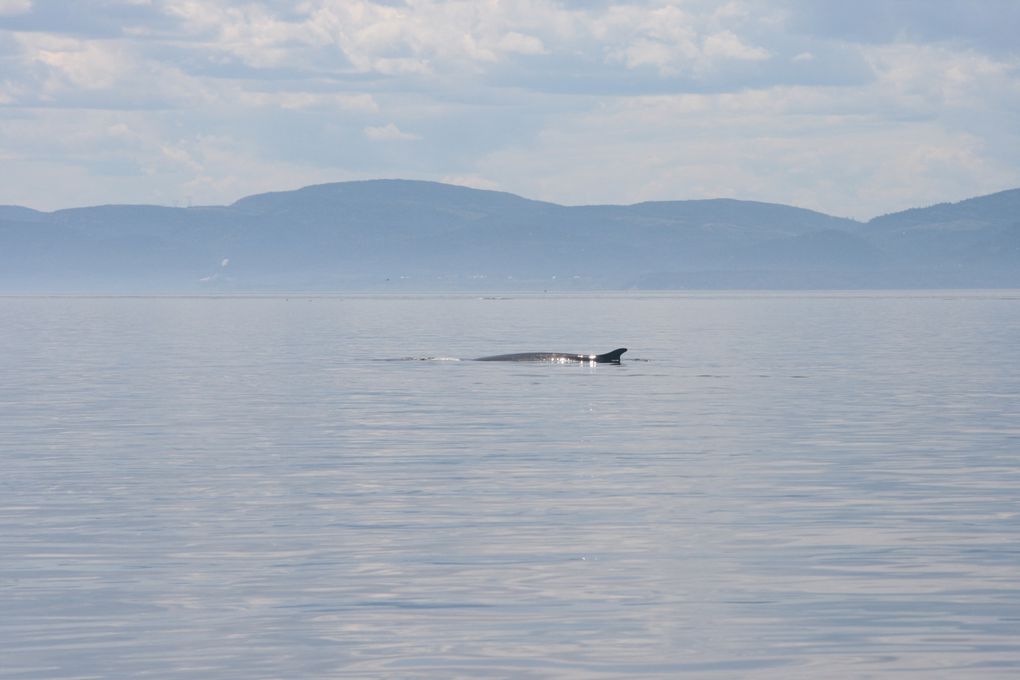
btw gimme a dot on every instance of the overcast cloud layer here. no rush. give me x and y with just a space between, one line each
853 108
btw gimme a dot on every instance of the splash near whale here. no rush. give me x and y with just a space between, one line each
607 358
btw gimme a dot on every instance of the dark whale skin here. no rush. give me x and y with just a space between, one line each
607 358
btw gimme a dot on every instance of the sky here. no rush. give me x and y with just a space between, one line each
855 109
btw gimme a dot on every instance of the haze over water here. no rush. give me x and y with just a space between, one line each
769 486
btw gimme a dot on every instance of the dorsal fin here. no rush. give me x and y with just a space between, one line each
610 357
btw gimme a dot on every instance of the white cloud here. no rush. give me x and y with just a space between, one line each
791 145
388 132
944 77
296 100
677 41
780 100
64 71
12 7
77 64
727 45
521 44
431 37
664 38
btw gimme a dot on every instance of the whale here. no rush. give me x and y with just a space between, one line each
563 357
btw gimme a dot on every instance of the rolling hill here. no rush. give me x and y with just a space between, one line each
403 235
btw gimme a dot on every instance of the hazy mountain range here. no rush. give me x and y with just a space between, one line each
403 235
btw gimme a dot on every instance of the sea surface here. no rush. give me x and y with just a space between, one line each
770 485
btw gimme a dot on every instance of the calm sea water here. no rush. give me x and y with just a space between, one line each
769 486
